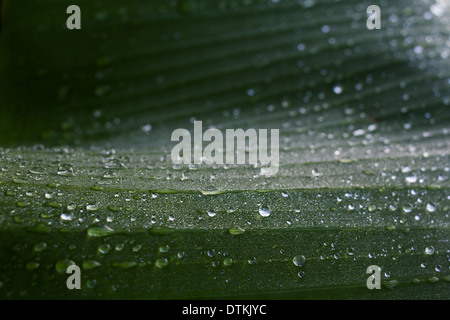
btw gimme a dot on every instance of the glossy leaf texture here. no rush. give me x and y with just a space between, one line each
86 174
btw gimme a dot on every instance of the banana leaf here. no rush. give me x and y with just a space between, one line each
86 176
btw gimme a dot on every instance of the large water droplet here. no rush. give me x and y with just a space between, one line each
100 231
228 262
161 263
90 264
264 211
211 213
62 265
299 260
431 207
429 250
65 170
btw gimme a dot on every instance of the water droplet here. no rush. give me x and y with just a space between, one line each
38 171
41 246
406 169
91 283
54 204
161 263
391 284
264 211
411 179
315 172
431 207
228 262
299 260
103 248
337 89
137 248
124 264
407 208
236 231
359 133
429 250
22 204
90 264
301 47
325 29
164 248
20 181
392 207
32 266
65 170
146 128
100 231
62 265
115 208
66 217
211 213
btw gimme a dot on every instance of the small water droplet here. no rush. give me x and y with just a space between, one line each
91 283
164 248
38 171
337 89
66 217
236 231
211 213
124 264
32 265
100 231
407 208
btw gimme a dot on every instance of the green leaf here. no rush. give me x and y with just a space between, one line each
86 176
